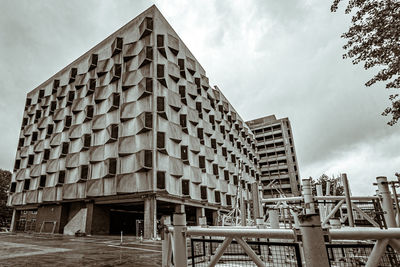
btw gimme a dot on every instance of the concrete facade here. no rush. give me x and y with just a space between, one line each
278 161
127 131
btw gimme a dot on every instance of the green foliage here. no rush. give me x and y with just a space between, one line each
374 39
336 189
5 212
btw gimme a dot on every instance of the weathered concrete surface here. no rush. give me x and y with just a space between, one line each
46 250
77 223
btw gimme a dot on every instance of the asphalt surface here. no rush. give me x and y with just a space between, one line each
51 250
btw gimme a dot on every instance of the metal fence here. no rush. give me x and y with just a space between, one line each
272 253
26 225
350 255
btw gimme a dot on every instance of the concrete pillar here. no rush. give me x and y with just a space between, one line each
242 207
150 217
348 199
14 220
215 217
256 200
387 201
201 219
89 218
315 254
308 196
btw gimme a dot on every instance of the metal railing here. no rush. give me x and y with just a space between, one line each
244 246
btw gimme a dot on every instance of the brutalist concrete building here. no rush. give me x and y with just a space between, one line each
277 154
124 133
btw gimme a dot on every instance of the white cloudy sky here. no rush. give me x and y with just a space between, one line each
268 57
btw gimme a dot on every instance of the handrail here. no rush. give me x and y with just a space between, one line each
274 200
261 233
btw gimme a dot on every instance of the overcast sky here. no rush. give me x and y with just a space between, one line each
268 57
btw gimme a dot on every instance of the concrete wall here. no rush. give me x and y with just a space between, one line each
51 213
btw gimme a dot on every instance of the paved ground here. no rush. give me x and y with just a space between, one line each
46 250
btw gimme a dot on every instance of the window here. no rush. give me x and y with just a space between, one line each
13 187
17 164
84 172
148 120
42 182
86 142
184 154
203 192
112 166
228 200
50 129
185 187
226 175
61 177
30 159
202 162
27 184
217 196
160 180
46 154
215 169
65 149
114 131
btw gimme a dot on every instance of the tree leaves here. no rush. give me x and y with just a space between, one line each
5 212
374 40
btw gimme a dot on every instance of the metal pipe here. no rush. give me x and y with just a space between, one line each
348 200
180 247
335 209
315 253
220 251
250 252
308 196
274 200
364 233
396 202
261 233
387 202
344 197
376 253
273 218
298 199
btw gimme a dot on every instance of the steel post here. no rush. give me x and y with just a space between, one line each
315 254
180 247
166 242
348 200
396 202
273 218
308 196
377 252
387 201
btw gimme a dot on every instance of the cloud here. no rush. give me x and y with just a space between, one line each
268 57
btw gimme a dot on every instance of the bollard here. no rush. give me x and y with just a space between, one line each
387 201
308 196
180 248
121 239
314 248
348 199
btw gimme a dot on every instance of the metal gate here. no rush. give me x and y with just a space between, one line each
357 255
273 253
